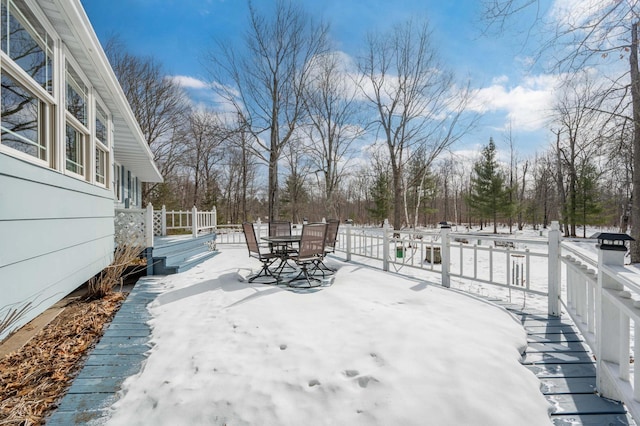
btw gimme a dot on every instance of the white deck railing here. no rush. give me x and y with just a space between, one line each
603 298
139 226
194 221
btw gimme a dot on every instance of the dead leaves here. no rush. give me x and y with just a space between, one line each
34 378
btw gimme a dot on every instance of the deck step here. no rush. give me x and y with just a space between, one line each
175 255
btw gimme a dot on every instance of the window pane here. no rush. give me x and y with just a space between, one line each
76 96
117 182
75 150
101 166
26 42
101 129
20 117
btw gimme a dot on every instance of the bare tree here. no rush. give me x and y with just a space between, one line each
333 112
577 139
595 34
264 81
157 102
204 138
414 100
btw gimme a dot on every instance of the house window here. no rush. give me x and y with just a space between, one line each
76 96
101 166
26 42
117 182
102 144
76 135
75 149
23 117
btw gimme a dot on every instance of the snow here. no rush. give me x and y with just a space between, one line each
374 348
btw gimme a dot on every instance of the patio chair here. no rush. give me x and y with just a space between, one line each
311 248
278 228
329 247
255 251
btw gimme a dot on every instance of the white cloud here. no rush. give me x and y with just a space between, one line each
527 104
189 82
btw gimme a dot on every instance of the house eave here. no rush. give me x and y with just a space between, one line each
130 147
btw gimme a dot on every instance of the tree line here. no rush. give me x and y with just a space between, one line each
300 131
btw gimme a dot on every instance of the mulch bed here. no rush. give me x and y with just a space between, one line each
33 379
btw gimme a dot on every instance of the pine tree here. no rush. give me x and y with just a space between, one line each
588 206
489 196
381 195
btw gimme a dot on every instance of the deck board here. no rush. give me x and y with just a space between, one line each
558 356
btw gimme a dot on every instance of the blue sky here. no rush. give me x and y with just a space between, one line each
178 34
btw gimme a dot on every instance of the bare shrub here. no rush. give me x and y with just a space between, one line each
112 276
13 316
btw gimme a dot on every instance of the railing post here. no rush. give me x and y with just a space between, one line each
385 248
148 226
348 242
163 221
148 231
445 254
214 215
258 229
608 333
194 222
554 306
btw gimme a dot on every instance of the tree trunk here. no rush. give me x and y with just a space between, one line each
635 97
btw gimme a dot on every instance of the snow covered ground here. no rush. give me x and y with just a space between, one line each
374 348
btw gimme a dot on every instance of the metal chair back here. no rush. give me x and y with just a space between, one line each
250 237
279 228
332 235
312 240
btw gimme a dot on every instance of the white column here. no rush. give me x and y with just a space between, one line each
385 248
163 221
608 320
148 226
194 222
348 242
554 307
445 255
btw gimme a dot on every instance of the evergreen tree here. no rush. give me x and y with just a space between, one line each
588 206
381 196
489 196
294 196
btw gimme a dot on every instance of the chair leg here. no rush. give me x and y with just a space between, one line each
304 274
265 272
319 265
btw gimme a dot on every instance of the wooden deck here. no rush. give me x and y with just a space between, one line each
556 354
119 354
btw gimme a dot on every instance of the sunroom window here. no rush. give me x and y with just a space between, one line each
117 182
102 145
75 150
76 96
101 166
25 42
23 118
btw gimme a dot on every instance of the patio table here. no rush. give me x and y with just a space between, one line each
281 247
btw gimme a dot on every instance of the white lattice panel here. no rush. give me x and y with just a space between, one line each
157 223
130 228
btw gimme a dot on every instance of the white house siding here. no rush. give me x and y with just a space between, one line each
56 222
55 233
